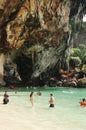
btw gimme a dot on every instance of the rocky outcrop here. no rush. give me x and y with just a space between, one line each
37 33
82 82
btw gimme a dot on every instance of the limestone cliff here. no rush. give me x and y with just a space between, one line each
36 34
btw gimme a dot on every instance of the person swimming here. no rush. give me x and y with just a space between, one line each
83 100
39 93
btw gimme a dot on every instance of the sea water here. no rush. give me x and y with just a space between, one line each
67 114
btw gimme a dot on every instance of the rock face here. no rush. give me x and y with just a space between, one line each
36 34
2 61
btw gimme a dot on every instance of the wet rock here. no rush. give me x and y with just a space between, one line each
82 82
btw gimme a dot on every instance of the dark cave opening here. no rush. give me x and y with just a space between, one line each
24 68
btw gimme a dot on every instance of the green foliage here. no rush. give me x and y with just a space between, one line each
79 53
76 60
76 52
84 67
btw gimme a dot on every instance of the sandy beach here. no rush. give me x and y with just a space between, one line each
18 114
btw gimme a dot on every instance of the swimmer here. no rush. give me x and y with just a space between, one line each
83 100
39 93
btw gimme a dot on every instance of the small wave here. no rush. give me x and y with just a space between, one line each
68 92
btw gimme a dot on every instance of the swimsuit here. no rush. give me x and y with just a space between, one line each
51 105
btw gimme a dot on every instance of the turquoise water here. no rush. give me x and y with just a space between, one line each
67 114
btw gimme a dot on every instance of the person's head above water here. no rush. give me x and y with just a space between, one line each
51 94
83 99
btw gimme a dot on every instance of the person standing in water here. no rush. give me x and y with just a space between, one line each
32 98
39 93
51 101
5 99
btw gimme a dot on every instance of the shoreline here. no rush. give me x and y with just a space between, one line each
23 89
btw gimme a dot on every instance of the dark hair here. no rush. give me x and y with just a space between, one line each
31 94
83 99
51 94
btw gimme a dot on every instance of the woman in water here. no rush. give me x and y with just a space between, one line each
32 98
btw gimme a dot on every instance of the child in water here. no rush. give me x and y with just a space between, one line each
5 99
39 93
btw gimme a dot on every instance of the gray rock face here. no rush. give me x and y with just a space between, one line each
47 60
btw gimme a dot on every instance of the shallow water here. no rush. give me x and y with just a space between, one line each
67 114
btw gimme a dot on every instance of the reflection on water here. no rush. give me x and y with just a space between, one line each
67 114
